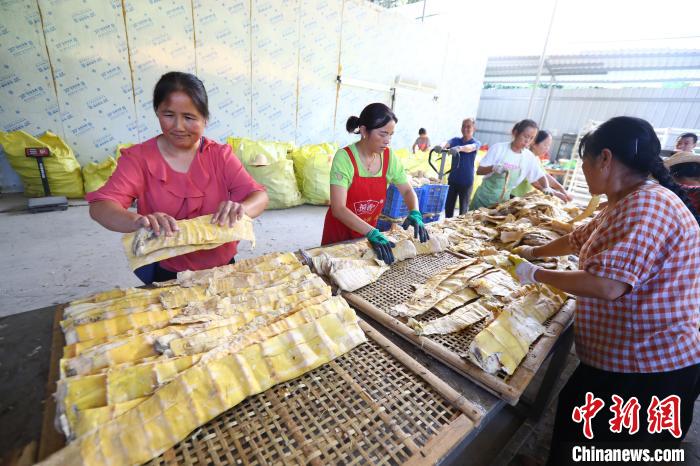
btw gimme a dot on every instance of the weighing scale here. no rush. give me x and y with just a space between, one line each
48 202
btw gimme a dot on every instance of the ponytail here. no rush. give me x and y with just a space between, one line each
373 116
634 143
352 124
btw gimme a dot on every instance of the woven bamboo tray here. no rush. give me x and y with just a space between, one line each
395 286
373 405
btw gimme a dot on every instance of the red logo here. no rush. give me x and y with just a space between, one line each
365 208
587 412
664 415
626 415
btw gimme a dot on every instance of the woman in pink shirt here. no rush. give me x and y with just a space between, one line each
176 175
637 299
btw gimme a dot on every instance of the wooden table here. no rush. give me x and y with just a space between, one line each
471 447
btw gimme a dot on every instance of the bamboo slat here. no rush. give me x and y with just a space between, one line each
396 286
373 405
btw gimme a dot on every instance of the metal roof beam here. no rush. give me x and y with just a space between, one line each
597 81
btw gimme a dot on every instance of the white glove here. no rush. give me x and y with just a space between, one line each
499 169
526 252
522 270
526 273
549 190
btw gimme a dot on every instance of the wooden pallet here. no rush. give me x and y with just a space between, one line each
396 286
373 405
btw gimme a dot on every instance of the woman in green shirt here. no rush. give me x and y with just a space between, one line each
359 176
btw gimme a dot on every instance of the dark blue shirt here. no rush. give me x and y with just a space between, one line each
462 165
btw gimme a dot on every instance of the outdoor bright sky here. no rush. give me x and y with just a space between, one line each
519 27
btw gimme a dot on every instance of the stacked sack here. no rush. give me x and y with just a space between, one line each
312 167
95 175
268 163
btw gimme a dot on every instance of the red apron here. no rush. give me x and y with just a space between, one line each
365 199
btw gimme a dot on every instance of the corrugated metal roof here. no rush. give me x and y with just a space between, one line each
605 66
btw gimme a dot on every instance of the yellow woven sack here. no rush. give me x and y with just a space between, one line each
316 187
62 168
95 175
324 152
278 178
247 150
118 152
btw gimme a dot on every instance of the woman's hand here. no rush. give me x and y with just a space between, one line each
158 222
564 196
229 212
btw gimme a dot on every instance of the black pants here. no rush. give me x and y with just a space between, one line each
461 191
155 273
603 384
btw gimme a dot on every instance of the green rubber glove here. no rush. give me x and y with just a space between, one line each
415 219
381 245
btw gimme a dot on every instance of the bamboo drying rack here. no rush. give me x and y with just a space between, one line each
396 286
373 405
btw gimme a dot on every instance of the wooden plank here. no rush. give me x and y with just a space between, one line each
440 445
52 440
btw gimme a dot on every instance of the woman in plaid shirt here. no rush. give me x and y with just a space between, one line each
638 295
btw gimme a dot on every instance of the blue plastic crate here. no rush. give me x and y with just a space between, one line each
431 218
383 225
395 207
433 199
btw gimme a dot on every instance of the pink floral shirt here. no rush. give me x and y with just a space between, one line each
215 175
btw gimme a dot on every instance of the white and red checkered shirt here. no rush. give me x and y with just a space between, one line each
650 241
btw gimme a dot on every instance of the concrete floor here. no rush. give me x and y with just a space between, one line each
54 257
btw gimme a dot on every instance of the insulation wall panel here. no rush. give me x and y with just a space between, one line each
223 64
88 51
27 96
320 23
269 67
275 55
161 39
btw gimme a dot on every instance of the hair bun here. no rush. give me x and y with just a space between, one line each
352 124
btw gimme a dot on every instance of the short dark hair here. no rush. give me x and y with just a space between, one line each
541 136
373 116
689 135
190 84
685 170
422 131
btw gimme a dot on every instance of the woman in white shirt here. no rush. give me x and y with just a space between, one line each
507 164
